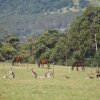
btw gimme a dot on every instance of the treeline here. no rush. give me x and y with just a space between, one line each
80 41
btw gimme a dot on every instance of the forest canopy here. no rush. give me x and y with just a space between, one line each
80 41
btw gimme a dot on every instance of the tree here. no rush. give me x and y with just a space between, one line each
45 43
7 51
82 37
13 40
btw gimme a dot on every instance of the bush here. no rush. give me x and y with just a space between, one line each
70 62
77 55
89 62
31 60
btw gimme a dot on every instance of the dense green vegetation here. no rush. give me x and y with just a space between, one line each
84 34
80 41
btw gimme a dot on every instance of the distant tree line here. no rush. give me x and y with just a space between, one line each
80 41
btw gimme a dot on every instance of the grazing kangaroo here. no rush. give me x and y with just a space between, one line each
34 74
97 73
48 74
11 73
90 76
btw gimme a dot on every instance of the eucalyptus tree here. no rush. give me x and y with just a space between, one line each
46 43
84 34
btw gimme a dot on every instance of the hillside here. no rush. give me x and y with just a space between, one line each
94 2
36 6
81 41
25 25
25 17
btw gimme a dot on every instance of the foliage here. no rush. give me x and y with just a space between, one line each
13 40
82 34
31 60
78 42
45 43
7 51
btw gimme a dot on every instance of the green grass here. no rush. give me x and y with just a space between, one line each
25 87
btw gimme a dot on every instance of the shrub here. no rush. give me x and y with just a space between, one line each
31 60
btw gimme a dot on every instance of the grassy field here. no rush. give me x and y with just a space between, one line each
25 87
